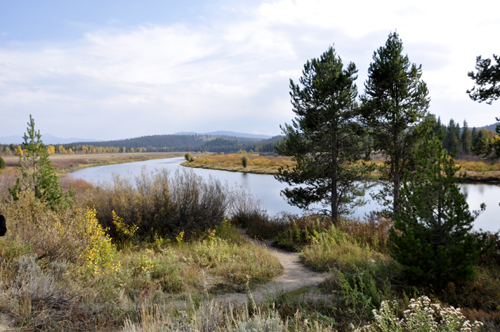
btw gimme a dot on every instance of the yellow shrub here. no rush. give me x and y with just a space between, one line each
123 228
100 255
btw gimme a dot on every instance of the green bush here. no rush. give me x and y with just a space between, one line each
244 161
2 163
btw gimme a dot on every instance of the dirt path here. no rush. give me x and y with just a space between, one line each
296 275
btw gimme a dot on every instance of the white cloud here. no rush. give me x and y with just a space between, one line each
155 79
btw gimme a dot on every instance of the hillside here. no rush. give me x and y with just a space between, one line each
209 143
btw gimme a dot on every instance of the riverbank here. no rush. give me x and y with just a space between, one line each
256 163
476 171
65 163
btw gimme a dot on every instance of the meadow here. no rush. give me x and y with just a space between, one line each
261 164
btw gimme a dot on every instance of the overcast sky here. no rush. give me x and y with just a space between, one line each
119 69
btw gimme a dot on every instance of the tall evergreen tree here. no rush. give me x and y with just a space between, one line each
487 79
452 139
37 173
487 88
395 105
466 139
431 236
324 138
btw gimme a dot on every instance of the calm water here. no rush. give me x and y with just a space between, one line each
267 189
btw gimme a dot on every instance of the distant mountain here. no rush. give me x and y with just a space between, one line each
225 133
46 139
491 127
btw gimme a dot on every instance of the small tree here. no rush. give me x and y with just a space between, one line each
244 161
2 163
37 173
431 236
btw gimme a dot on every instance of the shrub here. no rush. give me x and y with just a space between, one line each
2 163
72 236
155 203
421 316
244 161
189 157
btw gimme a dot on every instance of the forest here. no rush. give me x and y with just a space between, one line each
161 143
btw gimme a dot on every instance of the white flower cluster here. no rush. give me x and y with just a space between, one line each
421 316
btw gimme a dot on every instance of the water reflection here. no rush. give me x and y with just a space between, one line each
267 189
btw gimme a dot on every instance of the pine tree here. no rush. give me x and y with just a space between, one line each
394 108
431 236
466 139
37 173
325 138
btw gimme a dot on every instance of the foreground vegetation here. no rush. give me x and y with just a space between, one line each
363 275
62 270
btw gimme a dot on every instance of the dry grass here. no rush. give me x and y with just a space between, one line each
7 181
69 162
214 316
60 271
232 162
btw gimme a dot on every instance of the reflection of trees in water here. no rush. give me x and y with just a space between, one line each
465 190
481 189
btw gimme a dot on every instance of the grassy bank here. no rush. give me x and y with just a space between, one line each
477 171
256 163
64 163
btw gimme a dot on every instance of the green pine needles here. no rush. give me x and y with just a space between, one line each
37 173
431 236
325 139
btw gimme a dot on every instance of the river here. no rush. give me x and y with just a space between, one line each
267 189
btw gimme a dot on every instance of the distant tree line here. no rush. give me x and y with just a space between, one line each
159 143
461 140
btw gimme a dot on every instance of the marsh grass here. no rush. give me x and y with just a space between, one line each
255 163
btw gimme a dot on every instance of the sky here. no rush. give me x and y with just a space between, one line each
114 69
